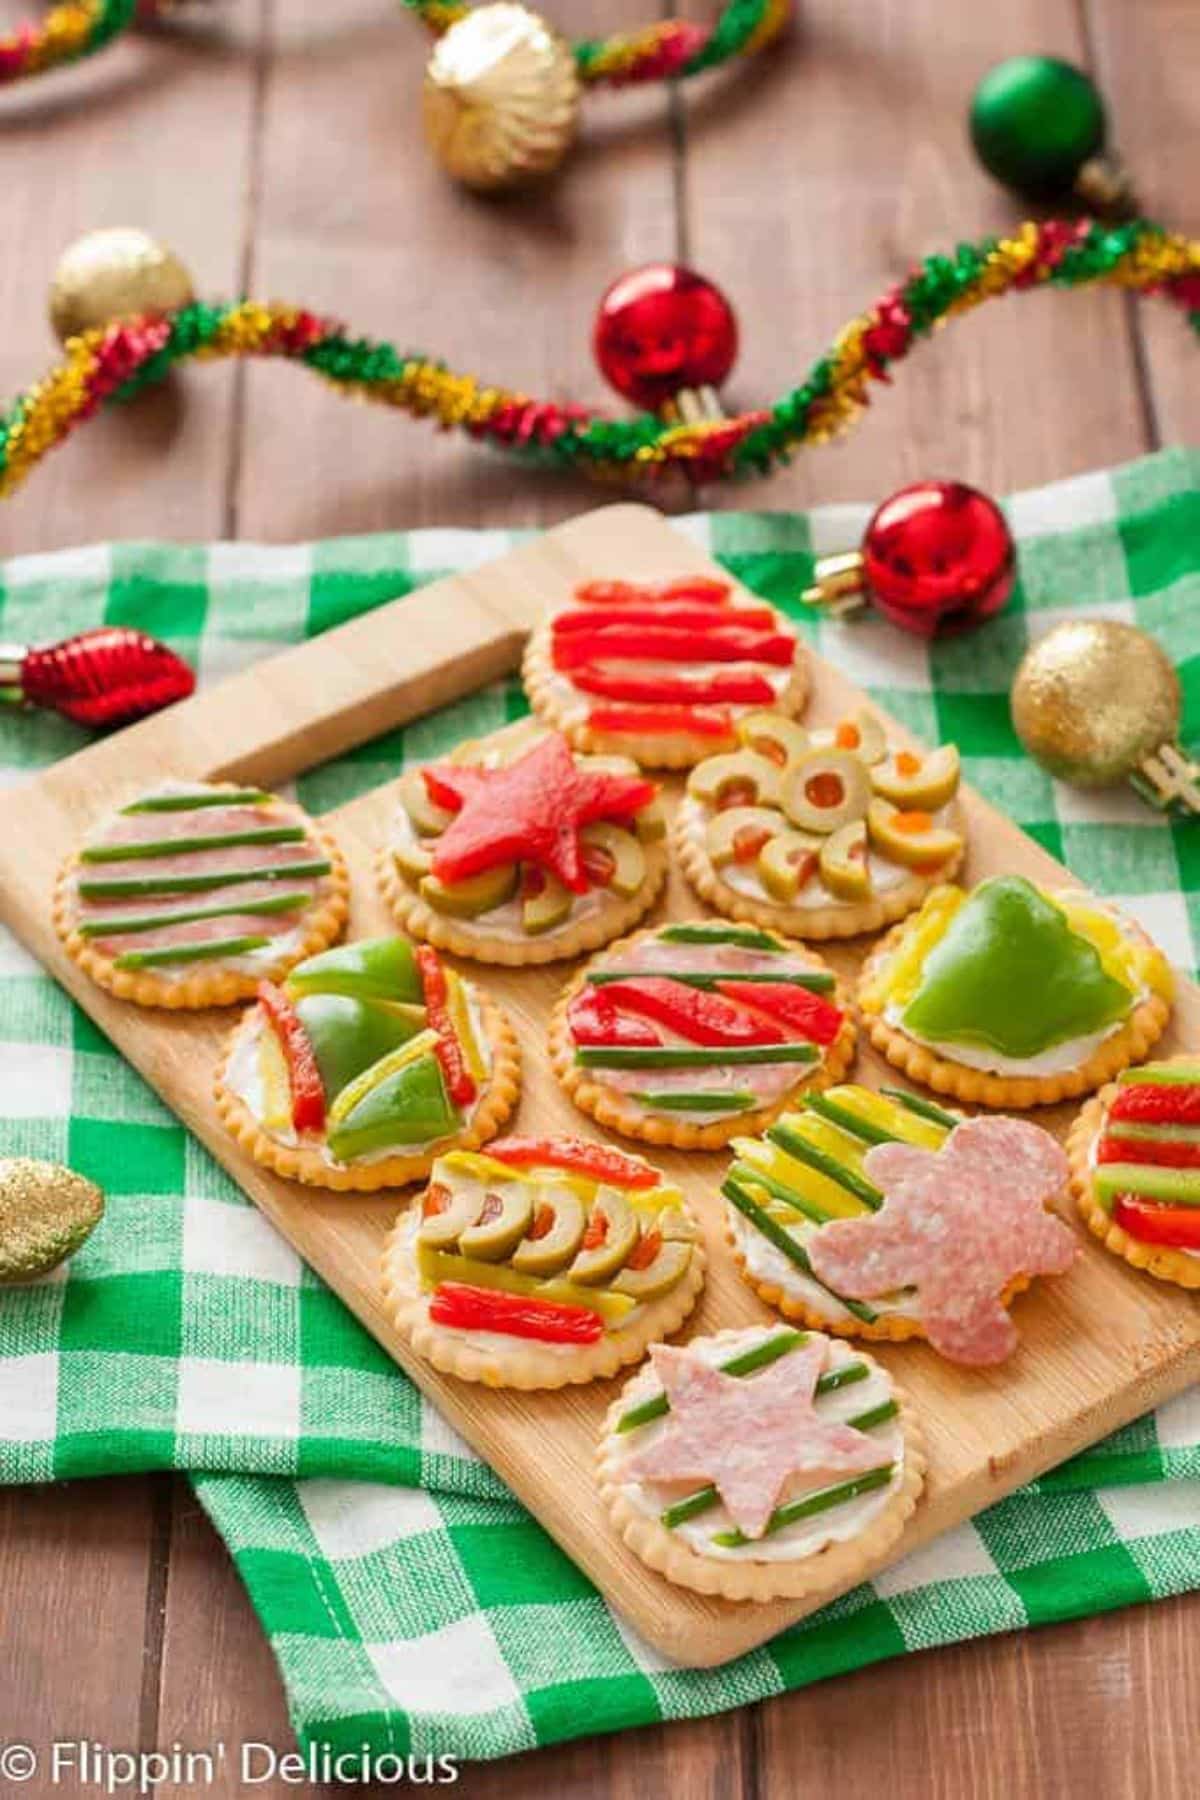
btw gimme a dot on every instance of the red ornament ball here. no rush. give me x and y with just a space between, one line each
938 557
105 677
663 328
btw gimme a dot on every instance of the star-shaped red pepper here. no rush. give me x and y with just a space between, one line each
531 810
749 1435
958 1224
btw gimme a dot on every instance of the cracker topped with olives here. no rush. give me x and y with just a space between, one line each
824 833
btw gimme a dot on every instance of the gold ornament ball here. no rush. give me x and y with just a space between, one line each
1093 698
46 1213
501 99
115 274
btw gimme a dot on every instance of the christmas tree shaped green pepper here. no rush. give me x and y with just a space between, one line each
1011 974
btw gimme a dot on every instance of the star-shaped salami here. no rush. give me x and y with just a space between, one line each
531 810
957 1224
749 1435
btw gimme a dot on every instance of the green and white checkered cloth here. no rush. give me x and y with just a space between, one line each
413 1605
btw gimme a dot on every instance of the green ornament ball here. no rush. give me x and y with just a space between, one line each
1035 121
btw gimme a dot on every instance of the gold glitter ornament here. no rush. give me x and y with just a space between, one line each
46 1213
113 274
501 98
1097 702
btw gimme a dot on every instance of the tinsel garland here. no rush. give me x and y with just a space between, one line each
672 48
118 361
69 31
669 50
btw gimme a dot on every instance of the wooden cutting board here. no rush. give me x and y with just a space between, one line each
1097 1348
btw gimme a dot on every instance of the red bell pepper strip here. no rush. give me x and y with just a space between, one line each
684 587
593 1019
1174 1226
653 721
697 1014
727 685
513 1315
681 615
308 1090
1158 1103
667 643
577 1154
806 1015
460 1083
1163 1152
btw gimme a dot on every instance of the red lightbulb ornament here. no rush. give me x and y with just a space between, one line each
936 558
665 338
108 676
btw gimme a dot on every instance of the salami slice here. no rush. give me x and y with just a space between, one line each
958 1225
749 1438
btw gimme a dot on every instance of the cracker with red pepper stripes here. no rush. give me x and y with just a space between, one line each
662 672
1135 1168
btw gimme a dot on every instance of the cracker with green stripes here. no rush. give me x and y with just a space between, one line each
1135 1168
887 1216
192 893
761 1463
688 1033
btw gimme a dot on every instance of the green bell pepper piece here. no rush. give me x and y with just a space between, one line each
1012 976
408 1107
375 969
348 1035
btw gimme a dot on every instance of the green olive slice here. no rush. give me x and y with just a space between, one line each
826 789
737 778
844 867
737 836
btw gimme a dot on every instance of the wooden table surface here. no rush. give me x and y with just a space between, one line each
276 144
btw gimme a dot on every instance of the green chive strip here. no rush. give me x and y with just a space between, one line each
703 1498
784 1241
779 1190
219 840
744 936
722 1101
745 1363
623 1056
129 922
175 803
812 1504
817 981
924 1109
116 887
845 1376
864 1129
804 1152
189 953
